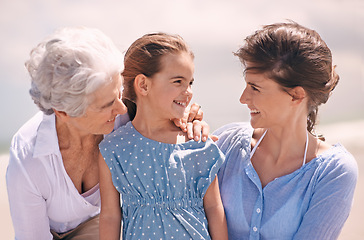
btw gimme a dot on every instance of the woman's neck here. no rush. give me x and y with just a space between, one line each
68 137
283 143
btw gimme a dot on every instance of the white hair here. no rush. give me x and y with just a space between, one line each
69 66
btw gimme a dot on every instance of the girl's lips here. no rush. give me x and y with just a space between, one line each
181 103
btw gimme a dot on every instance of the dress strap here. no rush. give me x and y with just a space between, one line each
306 147
256 145
261 138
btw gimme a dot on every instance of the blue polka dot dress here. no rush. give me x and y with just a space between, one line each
162 185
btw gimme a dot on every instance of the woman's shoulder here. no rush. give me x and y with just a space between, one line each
241 127
28 131
234 133
36 137
338 160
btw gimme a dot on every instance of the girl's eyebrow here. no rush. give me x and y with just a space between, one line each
181 77
178 77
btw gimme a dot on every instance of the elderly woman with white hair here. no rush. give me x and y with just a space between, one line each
52 177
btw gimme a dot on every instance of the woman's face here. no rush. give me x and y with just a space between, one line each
171 87
100 114
269 104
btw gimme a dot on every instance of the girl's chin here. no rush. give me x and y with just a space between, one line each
178 116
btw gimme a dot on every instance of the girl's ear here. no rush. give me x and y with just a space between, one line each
141 84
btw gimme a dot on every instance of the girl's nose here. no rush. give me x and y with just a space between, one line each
189 90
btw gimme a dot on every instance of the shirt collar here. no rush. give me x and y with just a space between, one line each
47 141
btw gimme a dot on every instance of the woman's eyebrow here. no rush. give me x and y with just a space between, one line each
107 104
253 84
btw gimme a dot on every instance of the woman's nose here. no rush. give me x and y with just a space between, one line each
244 97
120 107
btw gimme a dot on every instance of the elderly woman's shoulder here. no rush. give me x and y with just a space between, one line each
28 132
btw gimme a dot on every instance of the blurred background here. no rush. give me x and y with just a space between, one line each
214 30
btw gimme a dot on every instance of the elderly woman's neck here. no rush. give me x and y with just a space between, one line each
69 136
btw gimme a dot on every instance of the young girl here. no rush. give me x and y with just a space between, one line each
168 184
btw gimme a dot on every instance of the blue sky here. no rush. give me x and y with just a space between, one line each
214 29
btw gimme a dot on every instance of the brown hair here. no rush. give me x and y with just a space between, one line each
144 57
293 55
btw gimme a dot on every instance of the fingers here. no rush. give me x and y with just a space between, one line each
195 113
189 128
198 130
181 123
214 138
205 130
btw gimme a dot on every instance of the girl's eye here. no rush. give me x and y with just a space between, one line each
178 81
191 83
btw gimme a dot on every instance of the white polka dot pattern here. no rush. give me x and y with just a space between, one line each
162 185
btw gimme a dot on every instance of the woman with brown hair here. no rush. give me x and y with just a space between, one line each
280 180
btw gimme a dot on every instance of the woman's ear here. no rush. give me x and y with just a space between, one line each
298 94
141 84
61 115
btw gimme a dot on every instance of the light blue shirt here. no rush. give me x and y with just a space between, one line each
313 202
162 185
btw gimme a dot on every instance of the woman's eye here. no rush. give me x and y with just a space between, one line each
254 88
178 81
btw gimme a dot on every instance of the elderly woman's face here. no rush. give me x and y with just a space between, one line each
100 114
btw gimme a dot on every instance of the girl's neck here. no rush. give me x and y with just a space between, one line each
161 130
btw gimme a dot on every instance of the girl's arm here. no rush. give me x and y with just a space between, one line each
215 212
110 216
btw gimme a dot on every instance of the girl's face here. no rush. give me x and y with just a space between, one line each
171 90
269 104
100 114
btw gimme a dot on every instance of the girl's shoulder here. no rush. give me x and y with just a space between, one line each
120 135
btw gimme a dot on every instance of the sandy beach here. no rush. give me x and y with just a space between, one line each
351 135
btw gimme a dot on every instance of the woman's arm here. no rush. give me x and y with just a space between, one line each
215 212
110 216
27 205
331 201
192 123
